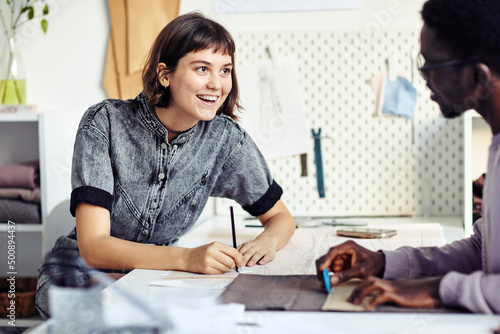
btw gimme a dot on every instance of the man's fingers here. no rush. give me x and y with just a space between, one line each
344 276
364 288
377 300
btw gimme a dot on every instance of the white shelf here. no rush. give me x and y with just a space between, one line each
19 117
22 227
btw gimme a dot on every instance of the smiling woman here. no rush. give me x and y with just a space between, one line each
198 87
143 169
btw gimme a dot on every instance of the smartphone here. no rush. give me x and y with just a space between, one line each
366 233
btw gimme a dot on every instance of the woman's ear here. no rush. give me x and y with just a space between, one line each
161 71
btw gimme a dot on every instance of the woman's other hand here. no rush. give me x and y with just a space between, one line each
258 251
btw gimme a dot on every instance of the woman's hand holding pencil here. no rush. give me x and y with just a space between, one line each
214 258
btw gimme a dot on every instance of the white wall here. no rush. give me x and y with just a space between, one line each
401 14
65 66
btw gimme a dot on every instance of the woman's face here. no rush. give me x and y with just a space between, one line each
199 86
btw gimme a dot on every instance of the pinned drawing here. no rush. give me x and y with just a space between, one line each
274 113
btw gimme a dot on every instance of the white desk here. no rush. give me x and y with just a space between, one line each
138 283
354 323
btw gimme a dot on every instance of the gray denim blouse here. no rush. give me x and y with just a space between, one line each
154 189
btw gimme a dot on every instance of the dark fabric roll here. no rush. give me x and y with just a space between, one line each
19 212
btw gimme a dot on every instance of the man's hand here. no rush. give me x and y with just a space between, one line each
349 260
421 293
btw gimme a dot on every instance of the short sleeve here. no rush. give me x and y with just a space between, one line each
92 173
246 178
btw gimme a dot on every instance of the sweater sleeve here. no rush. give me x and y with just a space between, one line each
477 292
464 283
463 256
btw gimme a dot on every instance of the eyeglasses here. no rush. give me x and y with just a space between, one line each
425 69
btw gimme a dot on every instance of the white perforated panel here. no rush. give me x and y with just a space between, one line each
372 165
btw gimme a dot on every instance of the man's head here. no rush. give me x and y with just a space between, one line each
460 42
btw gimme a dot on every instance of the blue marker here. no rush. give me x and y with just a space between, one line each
326 279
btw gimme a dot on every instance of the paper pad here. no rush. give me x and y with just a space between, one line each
337 298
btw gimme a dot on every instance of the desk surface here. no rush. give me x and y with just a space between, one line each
345 322
138 281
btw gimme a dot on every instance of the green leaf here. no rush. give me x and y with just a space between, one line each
31 13
45 25
24 9
46 9
8 2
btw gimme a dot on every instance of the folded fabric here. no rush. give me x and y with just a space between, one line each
23 194
19 212
400 97
295 293
274 292
20 175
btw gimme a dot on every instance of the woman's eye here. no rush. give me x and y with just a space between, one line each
202 69
226 71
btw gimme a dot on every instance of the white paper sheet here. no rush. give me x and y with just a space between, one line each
299 256
182 279
274 115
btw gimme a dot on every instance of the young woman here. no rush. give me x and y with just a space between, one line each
144 169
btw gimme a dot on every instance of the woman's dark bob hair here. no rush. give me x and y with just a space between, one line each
187 33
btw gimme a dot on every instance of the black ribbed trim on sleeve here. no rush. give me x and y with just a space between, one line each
90 195
266 202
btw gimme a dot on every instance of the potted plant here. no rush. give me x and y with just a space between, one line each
12 16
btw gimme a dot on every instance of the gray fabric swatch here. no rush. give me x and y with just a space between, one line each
281 293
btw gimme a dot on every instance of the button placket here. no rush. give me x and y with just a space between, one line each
174 150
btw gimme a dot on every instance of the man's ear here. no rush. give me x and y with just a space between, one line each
482 78
161 71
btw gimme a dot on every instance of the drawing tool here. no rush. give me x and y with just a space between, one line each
252 225
233 231
326 279
319 162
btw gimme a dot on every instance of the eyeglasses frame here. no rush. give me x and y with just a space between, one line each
436 66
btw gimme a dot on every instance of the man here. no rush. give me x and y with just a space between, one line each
460 61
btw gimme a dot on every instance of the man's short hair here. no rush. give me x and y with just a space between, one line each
470 28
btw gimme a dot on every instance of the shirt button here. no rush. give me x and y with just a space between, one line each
144 232
153 205
161 176
164 146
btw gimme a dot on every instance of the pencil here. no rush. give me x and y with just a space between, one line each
233 231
